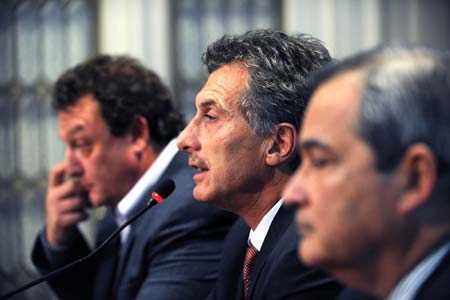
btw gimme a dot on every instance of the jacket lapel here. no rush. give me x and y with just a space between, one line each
123 258
280 223
125 251
106 260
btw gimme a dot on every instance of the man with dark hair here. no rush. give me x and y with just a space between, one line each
119 125
373 188
242 142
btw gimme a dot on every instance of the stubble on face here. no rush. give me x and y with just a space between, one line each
227 153
107 168
342 219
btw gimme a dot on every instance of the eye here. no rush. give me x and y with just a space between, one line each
80 144
209 117
320 162
320 159
83 146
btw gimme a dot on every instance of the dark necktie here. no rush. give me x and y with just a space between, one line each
249 263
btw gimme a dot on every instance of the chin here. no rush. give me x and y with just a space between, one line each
309 255
201 195
97 201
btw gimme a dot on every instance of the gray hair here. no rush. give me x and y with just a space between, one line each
279 66
405 100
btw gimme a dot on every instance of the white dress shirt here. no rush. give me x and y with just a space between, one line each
407 288
257 237
150 177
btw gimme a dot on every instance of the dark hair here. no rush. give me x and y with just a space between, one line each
278 66
404 101
124 89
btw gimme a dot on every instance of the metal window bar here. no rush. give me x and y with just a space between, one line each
39 39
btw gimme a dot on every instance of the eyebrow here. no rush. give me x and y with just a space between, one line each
312 143
208 103
75 130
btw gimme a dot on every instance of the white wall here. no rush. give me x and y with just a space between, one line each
138 28
345 26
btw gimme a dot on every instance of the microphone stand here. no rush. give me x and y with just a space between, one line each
52 274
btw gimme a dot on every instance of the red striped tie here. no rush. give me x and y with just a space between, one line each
249 263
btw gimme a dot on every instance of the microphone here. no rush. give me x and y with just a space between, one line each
163 190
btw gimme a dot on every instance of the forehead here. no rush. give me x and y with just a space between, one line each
223 87
84 114
333 110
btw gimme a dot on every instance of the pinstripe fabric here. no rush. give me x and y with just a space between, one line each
407 288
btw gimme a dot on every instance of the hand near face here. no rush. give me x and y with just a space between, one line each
65 204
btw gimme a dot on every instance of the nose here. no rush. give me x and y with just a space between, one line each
72 164
187 141
294 193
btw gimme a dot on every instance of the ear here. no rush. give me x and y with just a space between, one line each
139 133
419 167
281 144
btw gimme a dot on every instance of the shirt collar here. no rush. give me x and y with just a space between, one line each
258 236
409 285
150 177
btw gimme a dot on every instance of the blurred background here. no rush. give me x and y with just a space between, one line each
41 38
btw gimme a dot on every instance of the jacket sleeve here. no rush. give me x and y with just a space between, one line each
75 283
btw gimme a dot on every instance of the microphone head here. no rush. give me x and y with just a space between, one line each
165 188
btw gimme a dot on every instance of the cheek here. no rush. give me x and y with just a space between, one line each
232 150
96 164
107 165
341 205
333 209
332 222
352 224
227 157
335 238
341 194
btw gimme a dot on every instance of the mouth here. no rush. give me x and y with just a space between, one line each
198 164
85 193
201 168
86 200
304 228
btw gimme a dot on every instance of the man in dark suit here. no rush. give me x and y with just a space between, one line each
242 142
373 188
118 123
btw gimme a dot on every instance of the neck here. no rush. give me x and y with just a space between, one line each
148 157
379 276
259 204
145 159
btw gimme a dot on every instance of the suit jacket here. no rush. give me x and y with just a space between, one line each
277 273
353 294
172 251
435 287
